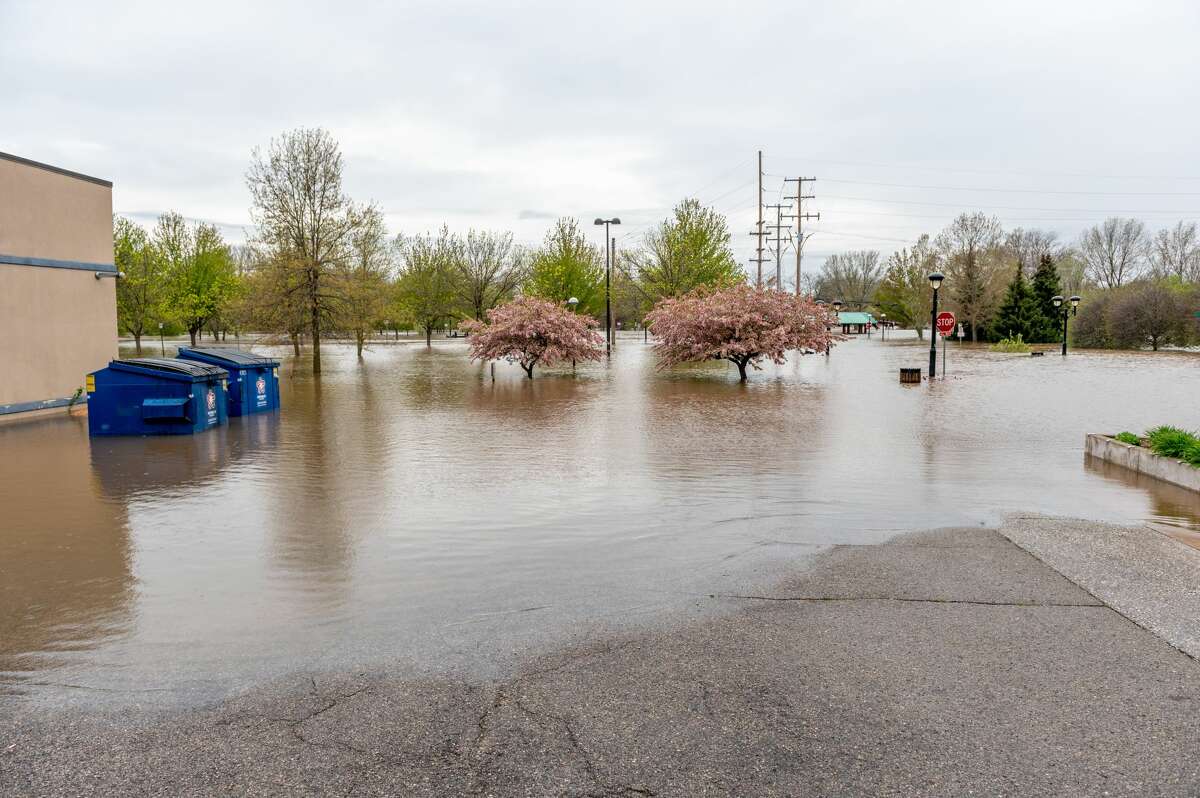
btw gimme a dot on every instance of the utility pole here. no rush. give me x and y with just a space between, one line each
759 231
800 216
612 332
778 241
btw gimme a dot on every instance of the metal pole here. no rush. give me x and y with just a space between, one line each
1064 347
933 337
607 292
944 348
760 220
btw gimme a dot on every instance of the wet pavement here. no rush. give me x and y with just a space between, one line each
409 512
942 663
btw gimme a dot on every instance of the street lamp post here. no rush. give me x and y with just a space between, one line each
883 326
607 281
935 281
162 347
837 308
1066 313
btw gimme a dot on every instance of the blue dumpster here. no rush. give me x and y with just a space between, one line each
156 396
253 379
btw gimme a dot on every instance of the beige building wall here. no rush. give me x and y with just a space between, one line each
57 321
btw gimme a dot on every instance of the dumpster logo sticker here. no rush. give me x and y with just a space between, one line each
211 399
260 385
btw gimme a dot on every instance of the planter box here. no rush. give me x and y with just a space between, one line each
1143 461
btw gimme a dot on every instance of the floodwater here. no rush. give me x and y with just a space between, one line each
410 510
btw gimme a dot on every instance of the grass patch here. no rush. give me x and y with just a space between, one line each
1170 441
1016 345
1128 437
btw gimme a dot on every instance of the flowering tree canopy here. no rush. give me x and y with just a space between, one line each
529 331
740 324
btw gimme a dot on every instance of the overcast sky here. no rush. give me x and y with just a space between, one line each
505 115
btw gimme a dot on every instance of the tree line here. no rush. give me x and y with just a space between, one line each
318 264
1139 289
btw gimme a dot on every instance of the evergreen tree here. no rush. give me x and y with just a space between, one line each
1018 314
1046 286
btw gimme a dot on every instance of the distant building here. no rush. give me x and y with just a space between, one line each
855 323
58 306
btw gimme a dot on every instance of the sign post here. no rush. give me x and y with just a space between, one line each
945 326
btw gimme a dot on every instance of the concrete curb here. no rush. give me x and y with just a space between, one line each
1147 577
1143 461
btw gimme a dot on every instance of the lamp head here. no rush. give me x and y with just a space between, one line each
935 280
598 221
1075 300
573 301
837 304
1057 300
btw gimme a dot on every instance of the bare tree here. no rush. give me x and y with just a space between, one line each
968 253
1175 252
852 277
300 209
1149 313
1028 247
1114 252
488 270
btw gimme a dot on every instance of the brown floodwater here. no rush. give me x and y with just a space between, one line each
408 510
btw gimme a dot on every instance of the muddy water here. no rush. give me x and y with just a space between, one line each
408 509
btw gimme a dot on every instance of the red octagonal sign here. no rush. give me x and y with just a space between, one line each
945 323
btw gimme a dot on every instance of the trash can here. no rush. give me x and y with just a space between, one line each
156 396
253 379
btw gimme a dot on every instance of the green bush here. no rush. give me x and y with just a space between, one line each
1170 441
1128 437
1016 344
1192 453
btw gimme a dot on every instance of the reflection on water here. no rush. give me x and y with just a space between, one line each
408 508
1173 509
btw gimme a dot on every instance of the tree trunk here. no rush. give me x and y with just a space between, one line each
920 333
316 339
296 344
192 334
741 364
528 370
137 342
358 339
428 336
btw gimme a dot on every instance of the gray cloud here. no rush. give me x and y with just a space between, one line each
471 113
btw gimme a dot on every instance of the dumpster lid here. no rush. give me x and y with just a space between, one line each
235 357
181 367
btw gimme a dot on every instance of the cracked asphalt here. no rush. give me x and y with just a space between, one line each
949 662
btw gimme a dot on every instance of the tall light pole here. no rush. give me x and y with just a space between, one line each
935 281
607 281
1066 313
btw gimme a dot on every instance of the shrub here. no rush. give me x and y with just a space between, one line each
1128 437
1170 441
1192 453
1016 344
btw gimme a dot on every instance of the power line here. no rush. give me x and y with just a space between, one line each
800 216
1020 190
960 206
1006 172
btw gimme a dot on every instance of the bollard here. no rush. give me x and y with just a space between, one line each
909 376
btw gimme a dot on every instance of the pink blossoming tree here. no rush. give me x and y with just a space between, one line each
740 324
529 331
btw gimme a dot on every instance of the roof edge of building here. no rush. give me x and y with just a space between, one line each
56 169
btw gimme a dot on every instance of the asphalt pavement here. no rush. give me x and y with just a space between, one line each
949 662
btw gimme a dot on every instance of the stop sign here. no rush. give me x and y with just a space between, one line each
945 323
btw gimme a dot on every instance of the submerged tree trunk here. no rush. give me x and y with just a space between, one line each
316 339
359 337
192 334
741 364
428 335
137 342
296 344
528 370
